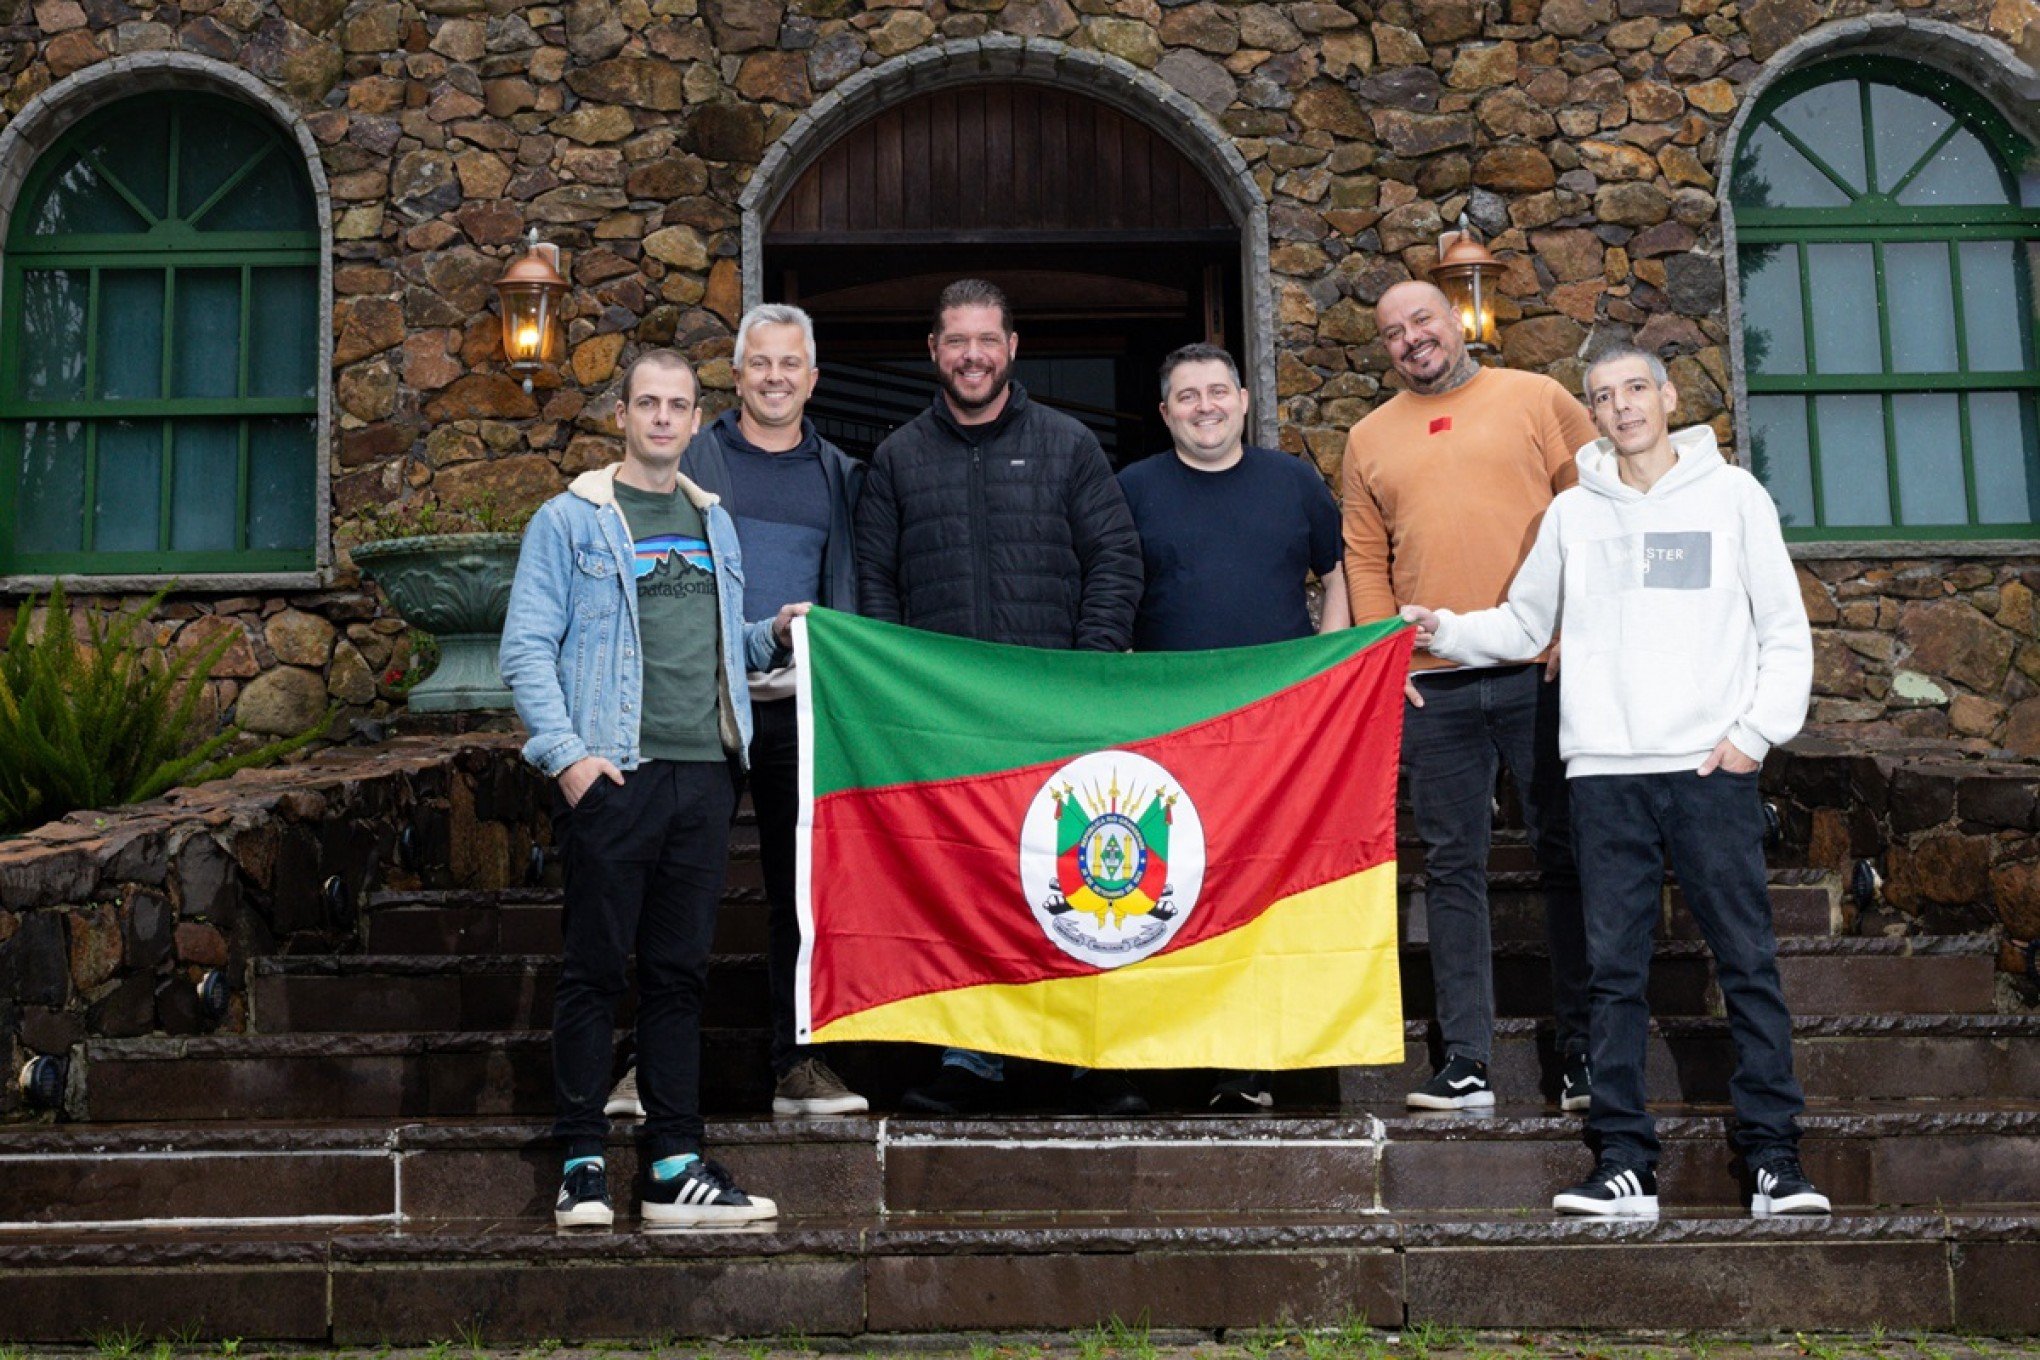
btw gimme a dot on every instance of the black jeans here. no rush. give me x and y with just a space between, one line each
644 864
1713 829
775 797
1471 722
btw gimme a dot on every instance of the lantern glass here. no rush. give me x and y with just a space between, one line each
530 326
1470 294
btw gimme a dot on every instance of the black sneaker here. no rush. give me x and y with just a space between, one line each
955 1090
1782 1188
1242 1093
1111 1095
702 1196
1613 1191
1576 1087
584 1198
1461 1085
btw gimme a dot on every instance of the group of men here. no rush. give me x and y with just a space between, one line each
649 587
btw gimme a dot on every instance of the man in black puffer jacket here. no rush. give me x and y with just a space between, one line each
989 516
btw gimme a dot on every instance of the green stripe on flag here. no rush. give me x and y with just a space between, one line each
897 705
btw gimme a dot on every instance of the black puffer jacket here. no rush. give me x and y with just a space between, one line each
1013 531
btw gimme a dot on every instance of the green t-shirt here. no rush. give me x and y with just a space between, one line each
677 622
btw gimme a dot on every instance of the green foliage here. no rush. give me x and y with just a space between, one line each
426 516
119 1345
109 721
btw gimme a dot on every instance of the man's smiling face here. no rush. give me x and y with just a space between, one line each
1422 333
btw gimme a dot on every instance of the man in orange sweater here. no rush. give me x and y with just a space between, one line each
1444 486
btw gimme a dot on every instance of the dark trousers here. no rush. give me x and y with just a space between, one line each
1713 829
775 797
1472 722
644 864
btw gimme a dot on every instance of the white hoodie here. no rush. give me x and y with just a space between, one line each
1681 612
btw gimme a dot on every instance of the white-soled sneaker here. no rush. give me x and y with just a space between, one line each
813 1088
703 1196
1613 1191
584 1198
1461 1084
623 1101
1782 1188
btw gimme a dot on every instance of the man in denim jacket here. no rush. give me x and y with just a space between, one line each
626 650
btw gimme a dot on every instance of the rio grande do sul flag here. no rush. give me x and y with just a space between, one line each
1181 859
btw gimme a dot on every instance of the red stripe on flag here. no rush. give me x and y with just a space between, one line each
916 888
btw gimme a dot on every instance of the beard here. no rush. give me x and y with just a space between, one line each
1002 374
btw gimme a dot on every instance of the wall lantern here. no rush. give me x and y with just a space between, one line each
1467 274
532 292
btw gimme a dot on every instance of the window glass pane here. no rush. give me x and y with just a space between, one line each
127 486
1903 128
1770 174
283 349
52 349
1844 288
1997 311
213 143
1778 456
1922 306
273 197
49 514
1855 480
79 199
131 333
133 146
1829 120
1928 429
1774 329
280 481
205 483
1964 171
2005 447
206 359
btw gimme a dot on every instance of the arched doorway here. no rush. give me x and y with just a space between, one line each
1104 224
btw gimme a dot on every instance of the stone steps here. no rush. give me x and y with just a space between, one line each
414 1075
248 1175
395 993
506 1283
526 920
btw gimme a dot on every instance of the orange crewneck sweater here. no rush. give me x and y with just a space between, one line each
1443 494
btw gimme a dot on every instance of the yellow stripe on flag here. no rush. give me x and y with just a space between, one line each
1310 982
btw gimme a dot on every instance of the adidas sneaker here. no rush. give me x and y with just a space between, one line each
1461 1084
1613 1191
1782 1188
584 1198
700 1197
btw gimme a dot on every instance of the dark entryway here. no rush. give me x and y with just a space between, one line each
1112 246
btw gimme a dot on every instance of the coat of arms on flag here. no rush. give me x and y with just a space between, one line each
1180 859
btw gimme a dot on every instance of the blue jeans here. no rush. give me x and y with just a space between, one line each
1713 829
1472 722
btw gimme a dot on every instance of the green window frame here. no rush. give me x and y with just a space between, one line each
160 326
1937 243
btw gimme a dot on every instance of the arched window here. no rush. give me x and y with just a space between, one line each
159 343
1884 242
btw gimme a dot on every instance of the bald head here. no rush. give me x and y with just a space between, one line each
1420 328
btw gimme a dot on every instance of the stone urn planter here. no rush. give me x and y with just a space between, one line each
457 588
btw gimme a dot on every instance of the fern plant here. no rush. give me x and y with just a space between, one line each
107 722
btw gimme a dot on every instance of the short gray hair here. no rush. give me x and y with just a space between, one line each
1611 354
1199 353
774 314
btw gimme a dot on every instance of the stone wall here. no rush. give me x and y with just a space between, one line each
109 921
1950 834
1584 136
1928 648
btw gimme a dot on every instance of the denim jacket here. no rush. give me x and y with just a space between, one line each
571 654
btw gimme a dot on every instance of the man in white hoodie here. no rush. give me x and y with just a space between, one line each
1687 657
